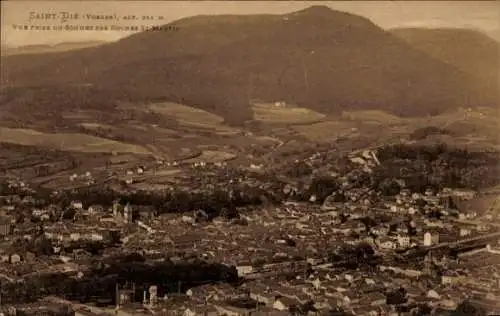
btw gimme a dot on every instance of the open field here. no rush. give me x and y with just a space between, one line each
478 128
185 113
95 126
67 141
268 113
212 156
209 127
325 131
122 159
372 116
190 117
474 128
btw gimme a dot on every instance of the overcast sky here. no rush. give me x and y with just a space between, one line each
484 16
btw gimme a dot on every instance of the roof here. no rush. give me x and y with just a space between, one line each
287 301
86 312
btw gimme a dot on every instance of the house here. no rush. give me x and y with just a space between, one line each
464 194
262 295
77 205
93 209
229 310
284 303
86 312
349 297
6 228
380 230
75 236
375 298
15 258
387 244
403 241
432 294
244 269
201 309
95 237
431 239
357 160
451 277
316 284
429 192
465 232
412 273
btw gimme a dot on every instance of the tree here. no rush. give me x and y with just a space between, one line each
43 246
397 297
323 187
422 310
308 307
468 308
338 311
389 187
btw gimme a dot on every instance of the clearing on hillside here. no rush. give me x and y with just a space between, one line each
193 118
325 131
269 113
372 116
186 114
67 141
212 156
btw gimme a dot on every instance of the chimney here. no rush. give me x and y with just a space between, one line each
132 297
144 298
117 294
115 208
153 292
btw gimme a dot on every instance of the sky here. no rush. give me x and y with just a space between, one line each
479 15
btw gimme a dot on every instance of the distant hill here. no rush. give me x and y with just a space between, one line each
38 49
468 50
317 58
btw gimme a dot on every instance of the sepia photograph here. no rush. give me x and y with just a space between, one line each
249 158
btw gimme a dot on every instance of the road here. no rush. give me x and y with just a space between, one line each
8 278
464 241
472 222
423 250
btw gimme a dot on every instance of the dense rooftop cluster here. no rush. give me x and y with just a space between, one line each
329 234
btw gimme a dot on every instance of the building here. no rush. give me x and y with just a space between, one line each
465 232
284 303
463 194
451 277
127 214
431 239
15 258
5 228
387 244
403 241
244 269
77 205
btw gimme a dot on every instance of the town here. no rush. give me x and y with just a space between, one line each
327 234
247 159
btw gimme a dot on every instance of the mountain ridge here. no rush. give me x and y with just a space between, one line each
470 50
220 63
48 48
